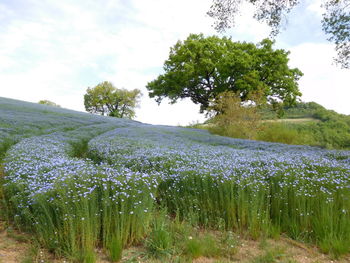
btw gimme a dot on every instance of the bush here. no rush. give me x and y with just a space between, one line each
160 242
233 118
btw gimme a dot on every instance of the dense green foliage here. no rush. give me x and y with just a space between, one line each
105 99
304 124
335 22
330 129
201 67
48 102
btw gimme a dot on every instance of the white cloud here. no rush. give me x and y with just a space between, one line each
316 7
322 82
247 28
60 39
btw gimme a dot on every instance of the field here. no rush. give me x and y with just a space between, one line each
83 185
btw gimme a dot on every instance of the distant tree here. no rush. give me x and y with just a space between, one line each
107 100
335 22
201 67
47 102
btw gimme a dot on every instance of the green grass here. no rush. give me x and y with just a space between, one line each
170 238
301 124
329 128
265 210
5 144
288 133
160 241
268 210
71 228
80 148
272 256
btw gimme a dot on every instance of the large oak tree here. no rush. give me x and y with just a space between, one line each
201 67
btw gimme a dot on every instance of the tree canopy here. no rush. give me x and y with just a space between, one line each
201 67
48 102
335 22
105 99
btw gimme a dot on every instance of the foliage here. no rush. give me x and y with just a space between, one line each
202 67
314 125
169 237
233 118
194 248
115 248
270 11
105 99
284 133
297 111
271 256
329 129
47 102
160 241
6 143
335 22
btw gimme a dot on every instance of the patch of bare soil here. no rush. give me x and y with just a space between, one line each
15 249
290 251
11 250
249 250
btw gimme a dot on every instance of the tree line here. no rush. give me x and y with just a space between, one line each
204 69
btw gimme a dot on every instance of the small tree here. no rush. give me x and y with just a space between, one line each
47 102
107 100
235 118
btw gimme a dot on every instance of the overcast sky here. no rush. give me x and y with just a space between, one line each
54 50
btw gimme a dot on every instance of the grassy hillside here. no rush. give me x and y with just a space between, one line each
325 128
302 124
90 188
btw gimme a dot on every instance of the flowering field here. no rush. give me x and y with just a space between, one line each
80 182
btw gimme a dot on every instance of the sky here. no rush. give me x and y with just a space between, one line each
55 50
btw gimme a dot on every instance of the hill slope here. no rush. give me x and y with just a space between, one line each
325 128
78 182
302 124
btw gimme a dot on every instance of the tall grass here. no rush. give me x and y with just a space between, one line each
72 225
271 132
277 206
286 133
5 144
